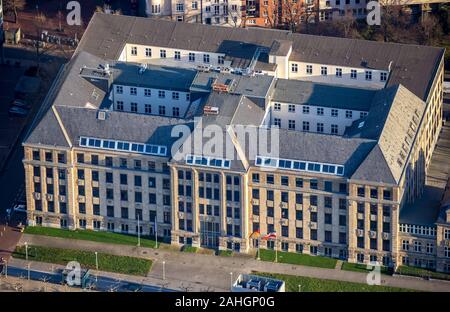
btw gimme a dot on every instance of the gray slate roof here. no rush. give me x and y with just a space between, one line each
316 94
412 65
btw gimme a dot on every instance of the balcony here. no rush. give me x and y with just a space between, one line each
313 208
360 233
372 234
313 225
36 179
255 218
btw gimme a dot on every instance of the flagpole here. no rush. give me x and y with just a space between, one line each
259 251
276 249
156 233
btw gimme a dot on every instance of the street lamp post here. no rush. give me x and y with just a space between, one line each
164 269
96 266
231 281
26 251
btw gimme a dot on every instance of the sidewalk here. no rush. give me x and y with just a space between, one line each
213 272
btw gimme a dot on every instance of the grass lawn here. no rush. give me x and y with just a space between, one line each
309 284
96 236
409 270
189 249
106 262
299 259
225 253
357 267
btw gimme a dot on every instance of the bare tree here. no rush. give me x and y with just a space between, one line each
39 43
290 14
12 6
431 29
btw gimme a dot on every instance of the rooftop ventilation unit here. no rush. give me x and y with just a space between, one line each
101 115
210 110
142 68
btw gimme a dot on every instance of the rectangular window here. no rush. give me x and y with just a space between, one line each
306 126
324 71
162 53
309 69
191 57
133 91
294 68
334 129
162 110
320 127
206 58
177 54
339 72
291 124
368 75
353 74
383 76
133 50
148 52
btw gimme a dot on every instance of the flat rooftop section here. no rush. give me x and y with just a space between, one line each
158 77
256 86
425 209
316 94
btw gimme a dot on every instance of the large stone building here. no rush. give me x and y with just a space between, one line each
345 130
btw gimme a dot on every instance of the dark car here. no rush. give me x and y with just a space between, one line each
21 103
17 111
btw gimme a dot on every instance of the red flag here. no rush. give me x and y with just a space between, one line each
271 235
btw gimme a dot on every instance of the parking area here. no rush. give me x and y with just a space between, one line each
10 127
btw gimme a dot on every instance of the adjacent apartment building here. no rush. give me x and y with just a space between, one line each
345 131
210 12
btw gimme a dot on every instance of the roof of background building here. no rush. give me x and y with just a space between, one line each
317 94
413 66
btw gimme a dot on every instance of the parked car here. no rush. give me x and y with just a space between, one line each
18 111
21 103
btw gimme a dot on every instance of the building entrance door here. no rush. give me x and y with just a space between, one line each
209 234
